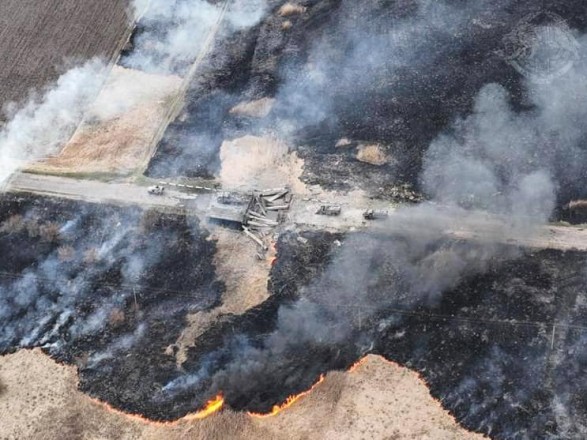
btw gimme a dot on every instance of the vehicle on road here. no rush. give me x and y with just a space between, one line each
332 210
156 190
371 214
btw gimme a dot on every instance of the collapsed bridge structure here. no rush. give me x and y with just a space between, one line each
235 209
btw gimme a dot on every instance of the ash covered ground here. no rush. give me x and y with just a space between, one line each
485 344
102 287
396 74
486 347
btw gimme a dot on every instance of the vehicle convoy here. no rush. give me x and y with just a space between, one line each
156 190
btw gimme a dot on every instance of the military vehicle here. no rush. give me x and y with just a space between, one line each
332 210
371 214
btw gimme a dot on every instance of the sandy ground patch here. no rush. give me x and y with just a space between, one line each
353 205
378 400
372 154
254 162
291 9
118 129
253 109
249 163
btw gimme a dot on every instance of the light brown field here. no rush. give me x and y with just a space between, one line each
118 129
253 109
253 162
378 400
372 154
291 9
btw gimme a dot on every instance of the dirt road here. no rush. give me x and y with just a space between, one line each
478 227
117 193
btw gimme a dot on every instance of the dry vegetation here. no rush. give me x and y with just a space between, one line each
245 277
37 37
119 128
15 224
372 154
254 109
379 400
289 9
259 162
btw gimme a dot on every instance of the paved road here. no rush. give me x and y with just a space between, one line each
117 193
482 228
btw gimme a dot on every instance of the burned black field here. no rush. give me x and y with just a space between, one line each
392 73
102 287
463 120
486 347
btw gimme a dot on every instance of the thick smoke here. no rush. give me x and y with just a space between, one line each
43 124
499 165
510 162
339 68
173 33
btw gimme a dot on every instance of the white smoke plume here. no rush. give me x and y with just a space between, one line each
177 30
43 124
371 57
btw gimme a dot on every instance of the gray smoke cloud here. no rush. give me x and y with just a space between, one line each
508 162
177 31
43 301
41 306
355 57
494 163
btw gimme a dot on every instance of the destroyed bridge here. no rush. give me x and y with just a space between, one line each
264 212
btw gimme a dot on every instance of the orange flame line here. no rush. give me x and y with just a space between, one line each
357 364
216 404
212 406
288 402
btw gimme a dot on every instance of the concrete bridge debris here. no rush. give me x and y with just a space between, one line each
266 210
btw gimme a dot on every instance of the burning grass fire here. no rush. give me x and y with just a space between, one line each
213 406
289 401
135 295
260 336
